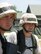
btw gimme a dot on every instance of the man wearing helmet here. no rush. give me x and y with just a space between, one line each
8 38
26 40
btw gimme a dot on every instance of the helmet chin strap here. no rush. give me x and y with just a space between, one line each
5 29
26 30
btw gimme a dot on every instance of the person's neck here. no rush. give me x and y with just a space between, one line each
27 34
1 32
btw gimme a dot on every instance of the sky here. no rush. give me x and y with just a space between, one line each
22 5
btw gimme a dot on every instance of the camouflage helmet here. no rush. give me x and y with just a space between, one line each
28 18
6 8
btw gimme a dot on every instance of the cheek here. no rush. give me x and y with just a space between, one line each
2 22
6 23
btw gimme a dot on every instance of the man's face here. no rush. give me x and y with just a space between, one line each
29 26
7 21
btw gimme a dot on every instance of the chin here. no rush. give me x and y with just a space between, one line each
6 28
